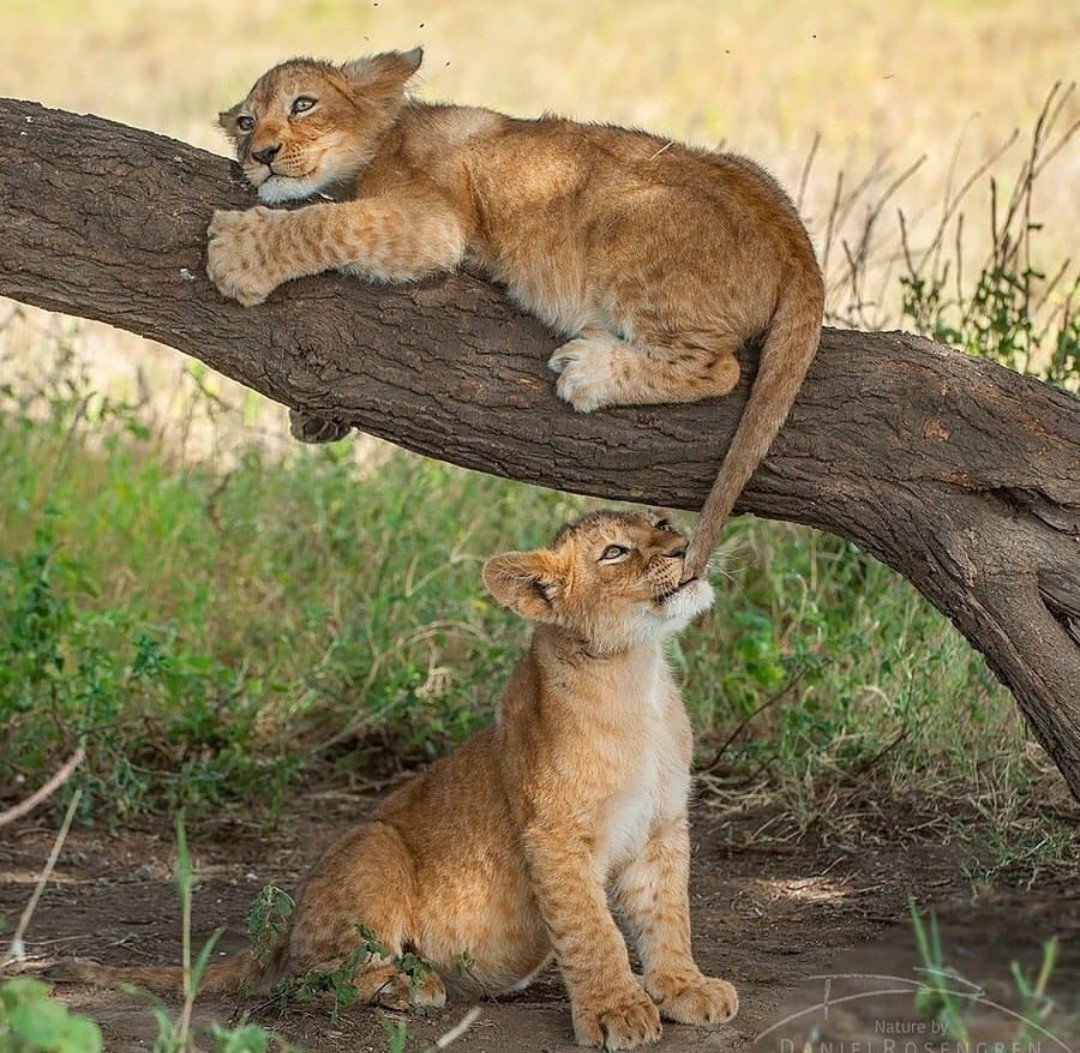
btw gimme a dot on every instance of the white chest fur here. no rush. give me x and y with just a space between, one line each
655 785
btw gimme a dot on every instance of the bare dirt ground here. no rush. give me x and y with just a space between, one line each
814 932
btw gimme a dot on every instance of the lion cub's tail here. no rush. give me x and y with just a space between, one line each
238 973
790 345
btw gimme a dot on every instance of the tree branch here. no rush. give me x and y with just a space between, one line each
960 474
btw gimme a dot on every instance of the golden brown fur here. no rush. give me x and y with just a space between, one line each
656 260
501 855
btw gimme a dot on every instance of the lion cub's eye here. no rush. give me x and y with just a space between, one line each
245 122
613 552
303 104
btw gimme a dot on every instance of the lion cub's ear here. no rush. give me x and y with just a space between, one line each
381 78
527 582
227 120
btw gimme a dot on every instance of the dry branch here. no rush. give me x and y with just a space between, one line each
45 791
962 475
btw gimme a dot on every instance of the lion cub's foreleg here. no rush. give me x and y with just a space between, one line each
393 237
609 1007
597 369
653 894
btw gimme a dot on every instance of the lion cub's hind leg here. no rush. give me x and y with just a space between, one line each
598 369
384 982
359 906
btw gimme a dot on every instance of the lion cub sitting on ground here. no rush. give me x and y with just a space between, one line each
502 854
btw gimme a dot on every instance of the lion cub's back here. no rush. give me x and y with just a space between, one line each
575 218
453 805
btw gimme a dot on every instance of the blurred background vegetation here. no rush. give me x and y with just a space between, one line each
221 616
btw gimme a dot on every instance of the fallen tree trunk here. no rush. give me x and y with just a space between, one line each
960 474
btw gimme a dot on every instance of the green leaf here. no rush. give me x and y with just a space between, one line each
83 1036
396 1033
39 1022
204 957
183 858
248 1039
22 989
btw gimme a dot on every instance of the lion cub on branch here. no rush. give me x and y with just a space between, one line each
656 260
502 854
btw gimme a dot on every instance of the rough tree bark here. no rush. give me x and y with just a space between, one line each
962 475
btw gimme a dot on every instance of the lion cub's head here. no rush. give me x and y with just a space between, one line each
307 125
611 578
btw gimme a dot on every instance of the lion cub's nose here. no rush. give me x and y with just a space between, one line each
677 553
266 154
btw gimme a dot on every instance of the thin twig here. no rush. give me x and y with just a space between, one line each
46 791
804 179
770 701
882 753
458 1029
18 948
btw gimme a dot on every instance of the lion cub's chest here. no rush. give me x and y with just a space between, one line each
654 787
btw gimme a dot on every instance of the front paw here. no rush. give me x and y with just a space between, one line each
621 1018
691 998
237 255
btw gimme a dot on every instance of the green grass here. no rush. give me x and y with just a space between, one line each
207 634
949 1001
31 1022
210 636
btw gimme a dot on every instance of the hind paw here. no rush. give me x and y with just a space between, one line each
585 369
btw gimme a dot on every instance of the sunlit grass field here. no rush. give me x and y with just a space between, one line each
215 611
